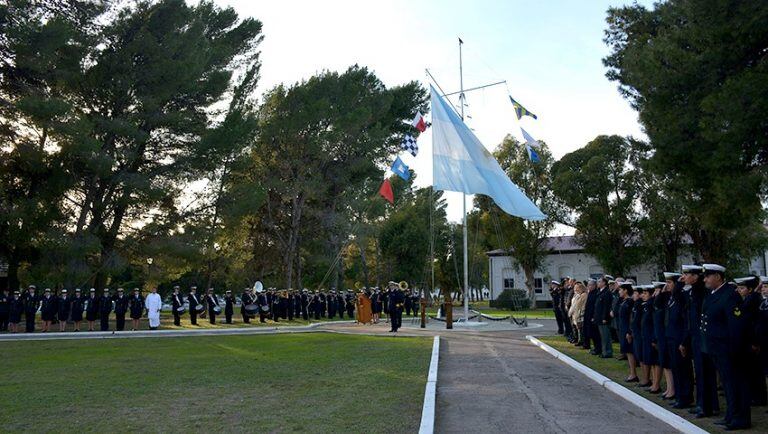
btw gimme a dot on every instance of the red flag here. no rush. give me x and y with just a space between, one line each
386 191
419 123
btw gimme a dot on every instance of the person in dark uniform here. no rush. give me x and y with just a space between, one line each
416 303
707 402
136 306
636 335
408 305
385 302
761 328
723 339
15 309
396 301
212 301
340 304
105 308
650 354
602 316
91 309
31 305
376 307
296 304
624 317
193 303
283 303
554 293
747 288
121 308
317 305
5 309
660 301
331 303
263 303
229 306
675 331
77 305
246 299
568 330
48 309
64 307
273 299
176 302
591 334
350 302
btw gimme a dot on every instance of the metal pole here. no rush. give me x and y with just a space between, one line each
463 195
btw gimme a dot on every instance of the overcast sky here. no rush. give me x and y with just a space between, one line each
549 52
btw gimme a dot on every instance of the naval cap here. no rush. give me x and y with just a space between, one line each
670 275
713 268
694 269
749 281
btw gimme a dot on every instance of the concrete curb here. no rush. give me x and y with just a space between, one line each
428 409
651 408
158 333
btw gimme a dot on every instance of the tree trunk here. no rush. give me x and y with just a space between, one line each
531 292
290 251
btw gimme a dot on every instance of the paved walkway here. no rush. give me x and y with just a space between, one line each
500 383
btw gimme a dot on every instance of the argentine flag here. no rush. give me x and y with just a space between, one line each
461 163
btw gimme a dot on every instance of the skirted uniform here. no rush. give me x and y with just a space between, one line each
136 305
5 311
65 307
92 308
48 308
635 329
650 355
624 318
659 326
15 309
76 308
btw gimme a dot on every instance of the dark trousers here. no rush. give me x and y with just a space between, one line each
605 340
262 316
304 313
397 318
706 385
176 318
4 316
246 318
351 312
228 317
193 316
211 317
559 319
120 321
756 380
104 321
682 374
594 338
30 322
733 376
567 325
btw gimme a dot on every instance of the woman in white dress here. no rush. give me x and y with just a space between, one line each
154 304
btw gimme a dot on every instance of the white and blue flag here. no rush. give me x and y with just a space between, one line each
532 154
461 163
400 169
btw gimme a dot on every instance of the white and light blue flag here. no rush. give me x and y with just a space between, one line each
461 163
400 169
532 154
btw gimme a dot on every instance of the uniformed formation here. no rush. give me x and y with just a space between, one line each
270 304
690 329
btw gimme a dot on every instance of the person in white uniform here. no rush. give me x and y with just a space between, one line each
154 304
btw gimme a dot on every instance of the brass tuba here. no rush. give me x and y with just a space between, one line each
403 285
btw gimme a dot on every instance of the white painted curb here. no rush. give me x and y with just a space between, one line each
651 408
428 410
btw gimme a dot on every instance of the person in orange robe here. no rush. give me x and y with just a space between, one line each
364 314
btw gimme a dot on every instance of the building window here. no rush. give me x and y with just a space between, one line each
537 284
508 282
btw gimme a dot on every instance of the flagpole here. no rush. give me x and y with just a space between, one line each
464 195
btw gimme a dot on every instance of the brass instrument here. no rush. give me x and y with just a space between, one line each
403 285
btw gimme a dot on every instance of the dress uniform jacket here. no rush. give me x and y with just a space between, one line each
76 307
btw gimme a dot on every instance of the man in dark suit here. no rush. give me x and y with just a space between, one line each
229 306
396 301
723 339
304 305
675 333
591 335
177 302
602 316
747 287
121 307
556 294
31 304
246 299
212 301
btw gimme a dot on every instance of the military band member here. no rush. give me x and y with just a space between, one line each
193 302
340 303
229 306
105 308
350 302
212 301
15 309
317 307
262 301
91 309
121 308
31 305
246 299
289 304
305 304
76 308
723 339
136 306
396 302
176 301
297 304
48 309
5 309
64 306
416 303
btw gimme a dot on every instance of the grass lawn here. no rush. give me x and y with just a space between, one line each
617 371
309 382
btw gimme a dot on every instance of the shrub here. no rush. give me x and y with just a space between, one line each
512 299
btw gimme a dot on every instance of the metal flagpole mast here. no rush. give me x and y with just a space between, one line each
464 195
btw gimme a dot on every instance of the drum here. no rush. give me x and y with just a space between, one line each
216 310
265 308
199 308
252 309
180 310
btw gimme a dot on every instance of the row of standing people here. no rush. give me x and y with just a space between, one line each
689 329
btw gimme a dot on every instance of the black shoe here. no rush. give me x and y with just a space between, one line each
680 406
667 398
632 380
695 410
642 385
657 391
735 427
607 357
720 422
594 353
623 357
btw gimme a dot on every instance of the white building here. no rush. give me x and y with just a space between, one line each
567 258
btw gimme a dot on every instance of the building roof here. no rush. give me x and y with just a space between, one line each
565 243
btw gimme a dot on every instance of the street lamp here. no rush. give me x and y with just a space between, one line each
149 270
